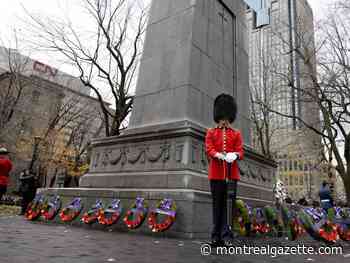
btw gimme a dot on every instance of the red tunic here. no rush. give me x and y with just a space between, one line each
214 142
5 168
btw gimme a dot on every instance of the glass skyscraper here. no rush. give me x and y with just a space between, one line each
277 75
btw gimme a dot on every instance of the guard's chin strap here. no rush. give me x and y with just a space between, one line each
224 124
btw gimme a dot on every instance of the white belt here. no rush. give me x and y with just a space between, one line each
325 200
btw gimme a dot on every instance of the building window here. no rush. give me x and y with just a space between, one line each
300 166
285 165
35 96
25 126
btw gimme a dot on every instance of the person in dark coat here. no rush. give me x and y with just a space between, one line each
302 201
325 196
315 204
5 168
289 200
224 146
27 189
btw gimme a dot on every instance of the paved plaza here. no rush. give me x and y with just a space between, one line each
26 242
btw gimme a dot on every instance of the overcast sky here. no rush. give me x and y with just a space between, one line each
12 14
318 6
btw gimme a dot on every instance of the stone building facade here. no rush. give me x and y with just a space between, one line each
46 95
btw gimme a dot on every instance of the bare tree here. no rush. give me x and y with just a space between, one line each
66 134
326 69
12 84
74 156
262 90
344 4
107 58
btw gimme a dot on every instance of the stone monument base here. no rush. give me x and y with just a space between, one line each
165 161
193 219
169 157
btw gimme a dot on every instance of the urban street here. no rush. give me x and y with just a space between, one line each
23 241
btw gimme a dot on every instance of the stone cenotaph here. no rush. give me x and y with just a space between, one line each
194 50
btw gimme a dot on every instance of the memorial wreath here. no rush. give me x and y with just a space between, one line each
70 212
165 208
136 214
33 210
91 216
51 207
111 214
241 218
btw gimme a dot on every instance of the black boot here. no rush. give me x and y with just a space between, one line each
228 236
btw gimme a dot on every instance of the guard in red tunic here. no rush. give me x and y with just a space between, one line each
5 168
224 146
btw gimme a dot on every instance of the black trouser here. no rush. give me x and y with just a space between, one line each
27 197
218 190
3 189
233 195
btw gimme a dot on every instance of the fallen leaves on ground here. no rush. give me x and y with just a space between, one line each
7 210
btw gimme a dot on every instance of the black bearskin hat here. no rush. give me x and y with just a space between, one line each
225 108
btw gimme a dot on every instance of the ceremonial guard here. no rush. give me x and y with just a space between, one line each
5 168
224 146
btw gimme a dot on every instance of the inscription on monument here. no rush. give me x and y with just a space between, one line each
221 30
170 155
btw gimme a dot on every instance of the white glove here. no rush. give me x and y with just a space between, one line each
231 157
220 156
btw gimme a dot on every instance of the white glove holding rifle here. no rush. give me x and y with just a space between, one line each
231 157
220 156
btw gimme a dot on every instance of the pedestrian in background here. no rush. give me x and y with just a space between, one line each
302 201
27 189
325 196
5 168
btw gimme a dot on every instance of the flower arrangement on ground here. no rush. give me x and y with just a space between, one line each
70 212
166 209
136 214
111 214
